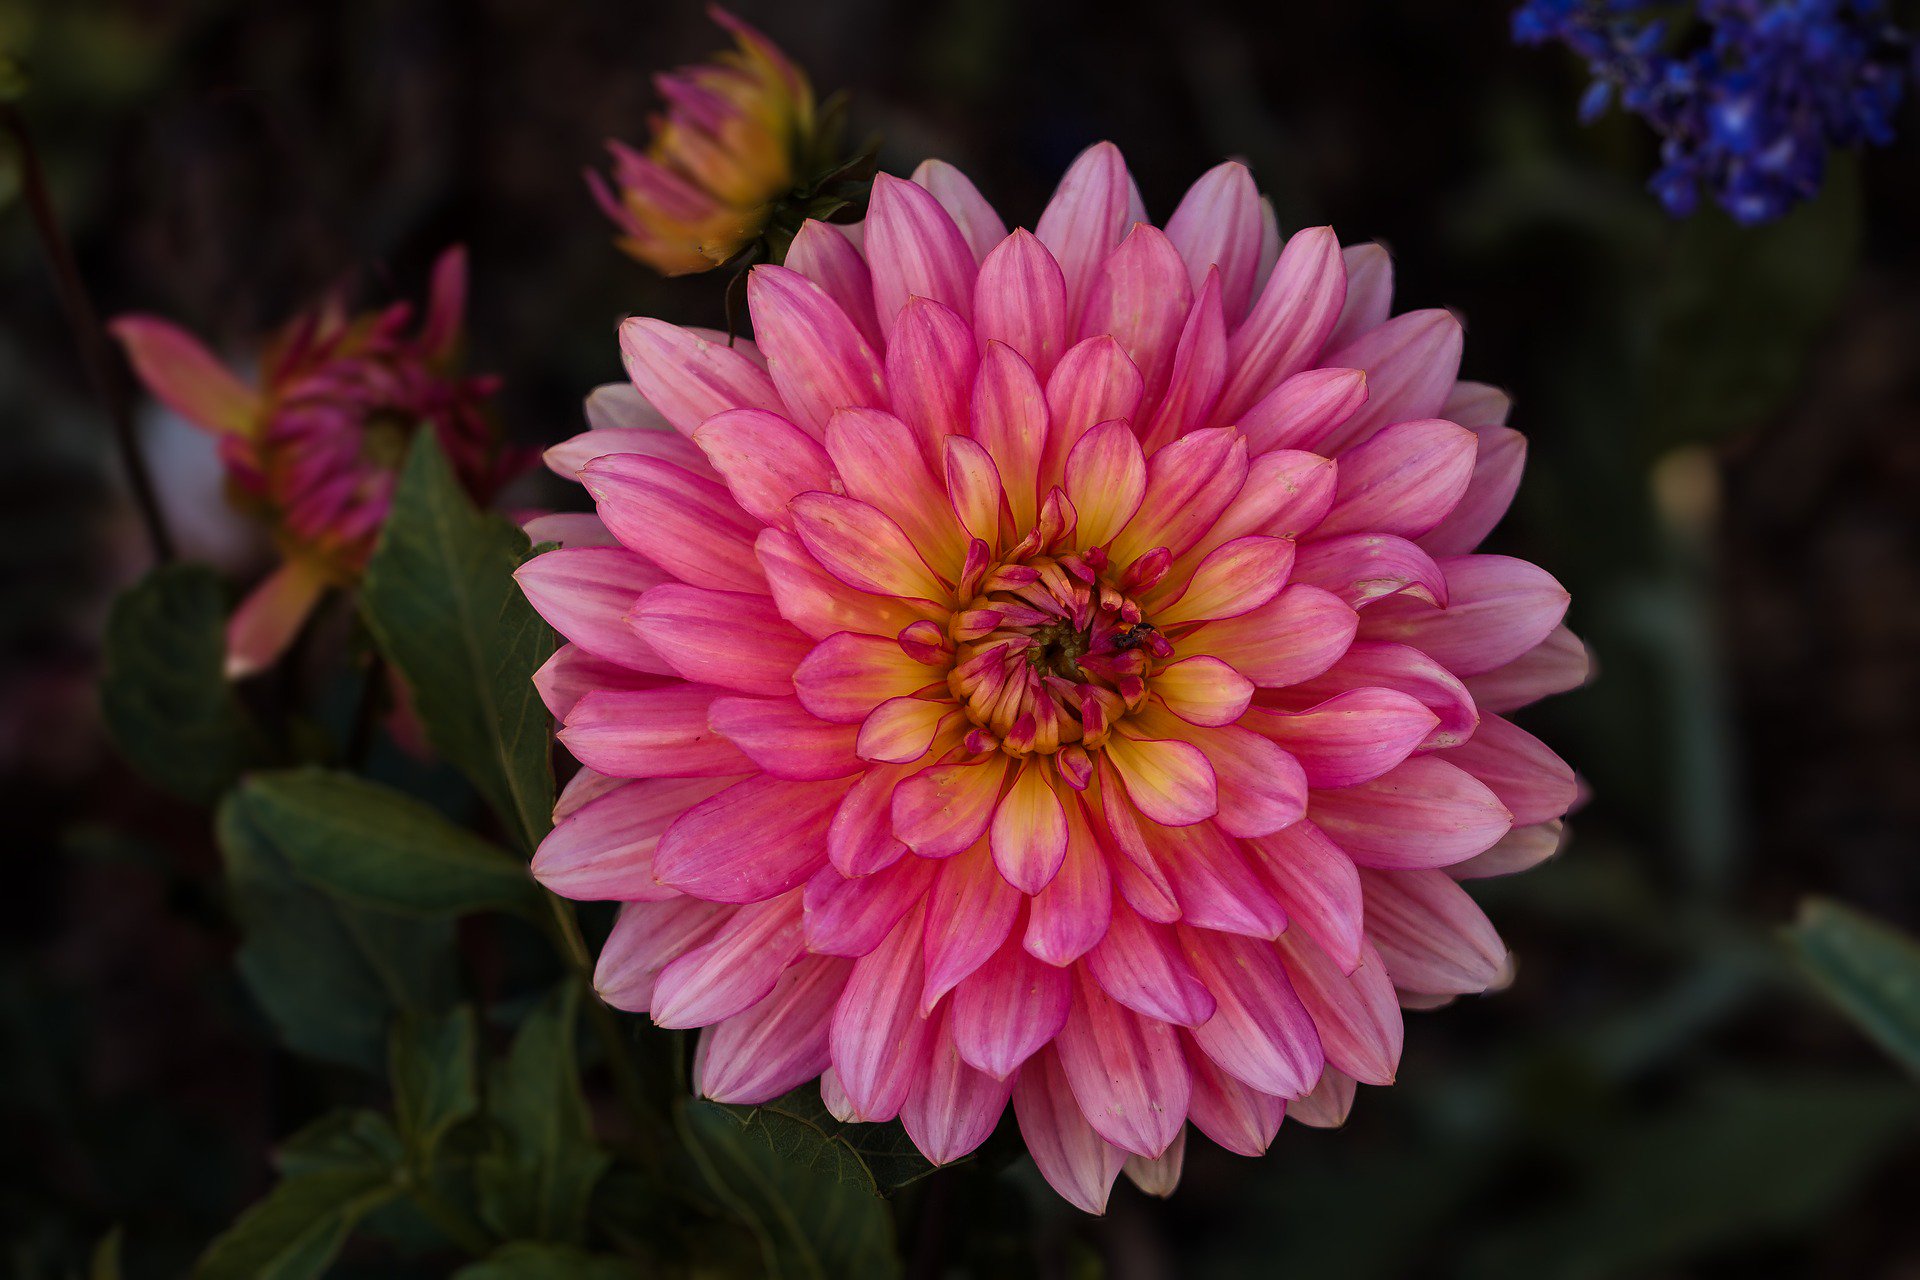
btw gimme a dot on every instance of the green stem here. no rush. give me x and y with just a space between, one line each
88 334
652 1129
453 1223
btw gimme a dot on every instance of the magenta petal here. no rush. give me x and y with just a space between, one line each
819 603
779 1044
1294 637
1139 963
1070 915
1431 935
1289 321
952 1108
604 849
1404 480
1351 737
1521 770
1423 813
878 1038
1261 1034
1239 1118
732 971
881 464
822 253
1355 1013
1362 568
1126 1072
850 917
1008 1009
1373 664
1218 226
726 638
1497 609
689 526
1094 382
817 359
1190 483
1199 370
1410 362
1498 463
1304 410
1141 296
1555 665
786 740
860 840
1020 299
945 809
753 841
1009 420
1216 887
1317 884
572 673
651 733
646 938
688 378
931 359
970 912
765 461
1089 214
915 250
1369 294
568 457
1074 1159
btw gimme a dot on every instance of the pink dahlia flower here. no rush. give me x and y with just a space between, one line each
314 448
1051 667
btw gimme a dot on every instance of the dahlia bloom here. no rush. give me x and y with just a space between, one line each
739 142
314 448
1050 667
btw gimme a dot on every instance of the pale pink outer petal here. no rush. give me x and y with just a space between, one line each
572 673
1410 361
1432 936
816 356
567 458
1521 849
1555 665
1008 1009
1126 1072
1091 210
1190 483
1218 225
779 1044
1498 463
1261 1034
1289 321
1213 882
183 375
1529 779
1304 410
879 1039
619 406
754 841
726 638
646 938
914 250
1020 299
1498 608
822 253
1328 1105
1352 737
651 733
1404 480
603 850
1422 813
687 525
1317 884
963 202
733 970
1074 1159
1199 370
1369 293
689 378
1234 1115
952 1108
1161 1175
1355 1013
568 529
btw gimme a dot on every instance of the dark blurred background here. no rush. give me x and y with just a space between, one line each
1725 470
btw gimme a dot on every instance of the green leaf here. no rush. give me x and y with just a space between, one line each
343 1138
331 975
163 691
1870 970
816 1217
536 1181
440 599
296 1232
436 1081
525 1260
879 1158
377 847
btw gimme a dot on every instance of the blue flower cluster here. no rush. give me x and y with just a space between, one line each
1748 96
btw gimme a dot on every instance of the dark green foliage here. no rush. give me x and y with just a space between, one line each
1871 971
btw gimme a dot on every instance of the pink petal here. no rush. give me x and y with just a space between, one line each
1074 1159
1215 885
646 938
878 1037
568 457
604 849
846 676
619 406
1029 831
572 673
1126 1072
1289 321
688 526
688 378
915 250
1020 299
779 1044
1139 964
267 621
765 461
1521 849
822 253
1008 1009
973 489
1423 813
1305 410
1373 664
1355 1014
1475 405
1218 226
817 359
1189 484
1203 690
725 638
1287 492
785 740
1262 788
1239 1118
901 730
1317 884
850 917
1159 1176
1351 737
183 375
881 464
952 1108
970 912
753 841
977 221
1141 296
1362 568
651 733
1431 935
1501 457
1498 608
1069 916
1199 370
931 358
1528 778
1235 578
1094 382
569 529
819 603
945 809
1369 293
1410 362
1404 480
1169 782
1009 419
1328 1105
1090 211
732 971
1106 476
1555 665
1294 637
860 840
860 546
1261 1034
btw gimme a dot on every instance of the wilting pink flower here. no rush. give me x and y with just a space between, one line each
1051 667
740 140
315 446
